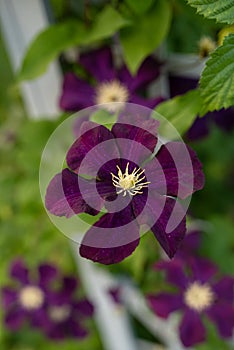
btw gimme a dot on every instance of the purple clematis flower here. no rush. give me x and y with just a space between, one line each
136 187
200 294
57 312
65 314
27 300
111 84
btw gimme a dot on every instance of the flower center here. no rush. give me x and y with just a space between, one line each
199 296
129 183
112 91
206 46
31 297
59 313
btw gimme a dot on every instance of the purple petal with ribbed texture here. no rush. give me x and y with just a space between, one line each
9 296
135 143
148 71
174 273
112 238
202 269
96 145
182 170
164 304
224 288
170 227
222 314
14 318
19 271
76 94
47 273
192 330
99 64
67 195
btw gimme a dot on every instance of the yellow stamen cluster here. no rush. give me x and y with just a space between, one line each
199 296
111 92
31 297
59 313
129 183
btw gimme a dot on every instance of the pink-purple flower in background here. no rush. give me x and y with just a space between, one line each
46 300
200 293
109 84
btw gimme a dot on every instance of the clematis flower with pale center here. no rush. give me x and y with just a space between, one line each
135 186
55 311
111 84
201 293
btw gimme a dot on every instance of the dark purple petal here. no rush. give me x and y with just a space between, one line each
164 216
56 331
76 329
76 94
174 273
148 71
9 296
224 119
19 271
115 293
164 304
224 288
47 273
136 143
14 318
84 307
190 245
105 187
146 102
97 145
192 331
69 286
170 227
180 85
200 128
111 239
68 194
182 170
222 314
202 269
39 318
99 64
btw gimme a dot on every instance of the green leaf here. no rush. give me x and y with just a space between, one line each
145 35
217 80
105 25
103 117
48 45
180 111
59 37
221 10
140 7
